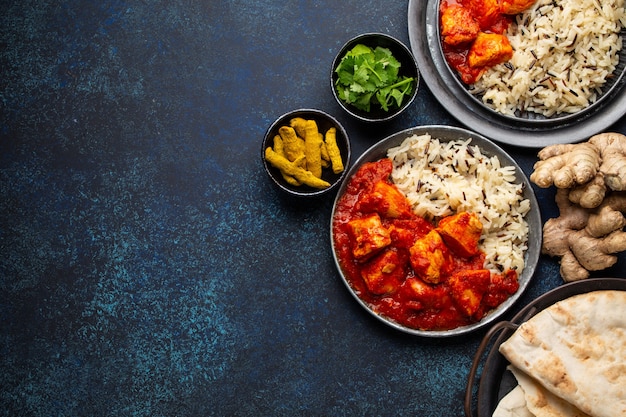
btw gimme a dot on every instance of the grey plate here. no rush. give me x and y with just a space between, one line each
423 26
446 134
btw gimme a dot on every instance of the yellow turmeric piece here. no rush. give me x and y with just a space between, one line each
293 146
280 150
313 148
279 147
291 168
333 150
298 124
324 152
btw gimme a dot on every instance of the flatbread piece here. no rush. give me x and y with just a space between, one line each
513 404
576 349
541 402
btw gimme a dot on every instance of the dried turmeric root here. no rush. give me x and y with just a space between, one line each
294 169
300 152
332 149
293 146
313 148
280 150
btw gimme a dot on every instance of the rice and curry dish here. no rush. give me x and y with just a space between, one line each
433 236
548 57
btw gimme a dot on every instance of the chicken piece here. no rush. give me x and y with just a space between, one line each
370 236
486 12
386 200
489 49
461 232
457 24
384 273
515 6
422 296
467 289
430 258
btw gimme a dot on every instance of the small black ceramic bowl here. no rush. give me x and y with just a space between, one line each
408 68
324 122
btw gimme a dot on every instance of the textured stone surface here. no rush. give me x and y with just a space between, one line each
147 266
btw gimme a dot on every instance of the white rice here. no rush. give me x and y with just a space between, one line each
443 178
564 50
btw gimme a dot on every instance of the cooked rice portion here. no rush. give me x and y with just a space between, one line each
442 178
564 51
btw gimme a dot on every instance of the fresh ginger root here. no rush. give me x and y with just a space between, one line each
586 240
591 196
566 165
609 216
589 169
612 148
590 254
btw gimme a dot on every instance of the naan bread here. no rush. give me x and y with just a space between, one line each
531 399
513 404
542 403
576 349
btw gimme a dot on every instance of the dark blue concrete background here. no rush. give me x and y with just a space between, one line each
147 266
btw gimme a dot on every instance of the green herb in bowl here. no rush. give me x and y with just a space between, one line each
367 77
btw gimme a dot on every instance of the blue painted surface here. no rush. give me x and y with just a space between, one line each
147 266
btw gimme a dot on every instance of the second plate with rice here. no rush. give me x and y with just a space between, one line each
531 130
568 59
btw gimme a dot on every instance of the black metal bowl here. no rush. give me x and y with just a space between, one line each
408 68
324 122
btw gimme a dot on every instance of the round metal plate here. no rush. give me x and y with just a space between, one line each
423 24
445 134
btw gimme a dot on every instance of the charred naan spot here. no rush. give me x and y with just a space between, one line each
529 333
615 373
554 373
561 315
591 346
540 400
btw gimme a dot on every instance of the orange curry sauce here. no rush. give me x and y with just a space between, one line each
410 301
